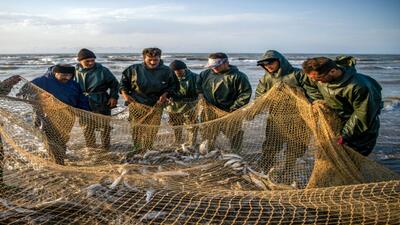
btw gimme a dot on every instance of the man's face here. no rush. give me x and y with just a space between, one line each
271 66
152 61
221 68
63 77
180 73
323 78
88 63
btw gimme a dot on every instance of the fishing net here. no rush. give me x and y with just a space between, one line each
274 161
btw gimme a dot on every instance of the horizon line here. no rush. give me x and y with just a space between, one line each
306 53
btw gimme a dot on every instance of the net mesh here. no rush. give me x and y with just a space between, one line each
274 161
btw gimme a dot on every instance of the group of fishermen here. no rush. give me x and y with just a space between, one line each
356 98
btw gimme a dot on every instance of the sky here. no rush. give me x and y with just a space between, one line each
248 26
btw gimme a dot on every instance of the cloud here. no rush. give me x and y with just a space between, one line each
98 23
177 27
161 13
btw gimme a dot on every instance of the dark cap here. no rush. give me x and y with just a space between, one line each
177 65
85 54
64 68
266 61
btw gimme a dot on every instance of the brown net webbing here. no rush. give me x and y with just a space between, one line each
275 161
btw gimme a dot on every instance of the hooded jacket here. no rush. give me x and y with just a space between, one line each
70 93
286 74
147 85
95 82
229 90
186 95
357 100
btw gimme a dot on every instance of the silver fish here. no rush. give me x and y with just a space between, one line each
230 162
150 153
93 189
153 215
119 179
212 154
231 156
203 148
149 195
185 149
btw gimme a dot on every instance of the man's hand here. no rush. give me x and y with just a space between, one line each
163 99
127 97
112 103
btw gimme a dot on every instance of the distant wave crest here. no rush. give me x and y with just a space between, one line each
391 103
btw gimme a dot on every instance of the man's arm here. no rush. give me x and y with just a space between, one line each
310 87
244 89
261 87
126 85
366 105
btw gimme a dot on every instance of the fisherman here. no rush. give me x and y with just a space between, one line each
100 85
228 89
54 118
355 97
150 84
279 70
182 109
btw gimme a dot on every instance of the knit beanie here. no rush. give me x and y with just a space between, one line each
64 68
85 54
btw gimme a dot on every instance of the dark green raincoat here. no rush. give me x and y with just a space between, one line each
147 85
275 139
229 90
357 100
187 94
286 74
99 84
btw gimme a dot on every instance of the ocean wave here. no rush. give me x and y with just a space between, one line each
9 67
122 58
248 60
196 58
296 62
391 103
167 56
375 67
245 58
242 58
197 66
117 67
392 82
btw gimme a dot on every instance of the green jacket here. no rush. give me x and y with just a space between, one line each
228 90
186 95
99 84
357 100
286 74
147 85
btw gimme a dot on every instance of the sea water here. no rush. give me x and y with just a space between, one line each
383 68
